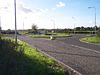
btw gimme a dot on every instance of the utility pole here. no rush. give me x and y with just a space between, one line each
94 17
0 27
15 22
0 17
53 25
0 23
74 23
95 20
23 26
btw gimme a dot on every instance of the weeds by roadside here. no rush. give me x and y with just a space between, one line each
22 59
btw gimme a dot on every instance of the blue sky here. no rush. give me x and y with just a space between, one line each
46 13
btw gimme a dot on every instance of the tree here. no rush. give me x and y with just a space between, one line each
34 28
9 31
98 32
78 28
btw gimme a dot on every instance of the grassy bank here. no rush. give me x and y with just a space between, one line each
93 39
57 35
22 59
38 36
9 35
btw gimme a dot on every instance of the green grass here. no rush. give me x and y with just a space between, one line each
22 59
93 39
62 35
48 36
5 35
38 36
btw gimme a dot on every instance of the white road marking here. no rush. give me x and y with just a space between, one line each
86 48
75 72
89 42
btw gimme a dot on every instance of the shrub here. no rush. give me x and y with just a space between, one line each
22 59
98 32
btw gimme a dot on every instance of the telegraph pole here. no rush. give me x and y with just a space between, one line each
0 23
94 17
15 22
0 27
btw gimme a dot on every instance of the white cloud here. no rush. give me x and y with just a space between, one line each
36 15
53 8
25 9
60 4
33 15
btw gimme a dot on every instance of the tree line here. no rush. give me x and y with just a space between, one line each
78 30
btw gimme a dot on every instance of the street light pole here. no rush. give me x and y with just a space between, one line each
94 17
23 26
15 22
95 20
0 23
0 27
24 23
53 24
0 17
74 23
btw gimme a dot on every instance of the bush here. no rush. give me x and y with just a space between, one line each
0 36
22 59
98 32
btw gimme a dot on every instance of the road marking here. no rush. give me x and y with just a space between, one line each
83 48
73 71
86 48
89 42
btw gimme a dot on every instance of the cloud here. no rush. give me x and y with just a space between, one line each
60 5
25 9
3 7
40 10
53 8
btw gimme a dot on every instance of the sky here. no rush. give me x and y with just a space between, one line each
49 14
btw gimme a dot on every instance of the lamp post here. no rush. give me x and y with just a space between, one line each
24 23
52 37
15 22
94 17
0 27
74 23
0 17
0 24
53 24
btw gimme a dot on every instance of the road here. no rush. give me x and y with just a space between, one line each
74 40
80 56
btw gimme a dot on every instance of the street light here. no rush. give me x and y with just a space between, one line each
0 23
24 23
52 37
53 31
15 22
0 27
94 17
74 23
53 24
0 17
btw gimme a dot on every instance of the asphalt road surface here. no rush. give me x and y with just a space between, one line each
85 58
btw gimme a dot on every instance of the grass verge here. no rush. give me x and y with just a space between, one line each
22 59
93 39
56 35
38 36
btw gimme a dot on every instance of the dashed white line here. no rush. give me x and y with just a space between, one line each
86 48
89 42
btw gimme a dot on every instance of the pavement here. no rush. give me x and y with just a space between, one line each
83 57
